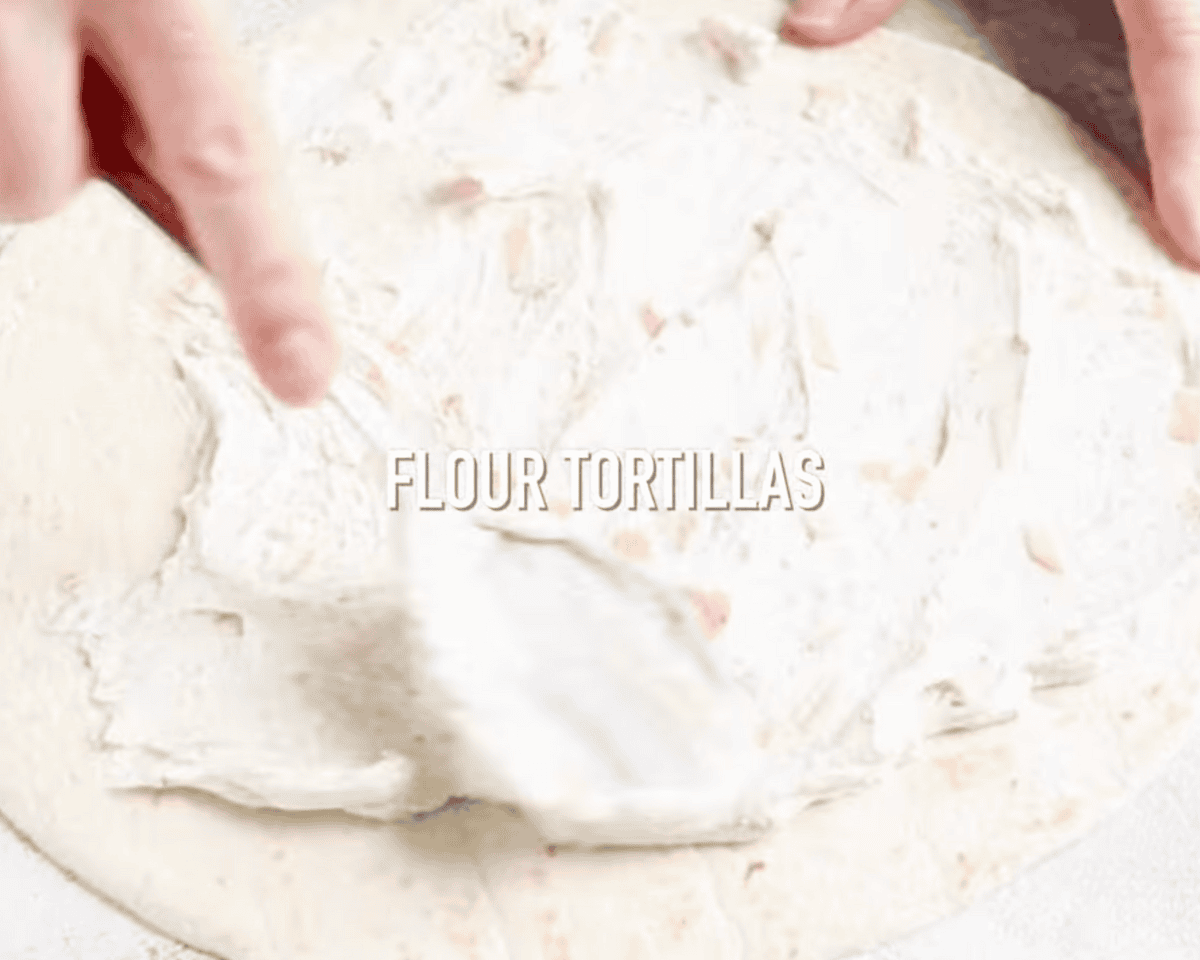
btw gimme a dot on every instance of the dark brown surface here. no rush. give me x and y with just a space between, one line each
116 136
1073 53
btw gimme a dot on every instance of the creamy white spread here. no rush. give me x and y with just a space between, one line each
526 255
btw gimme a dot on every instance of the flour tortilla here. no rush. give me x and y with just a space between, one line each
964 813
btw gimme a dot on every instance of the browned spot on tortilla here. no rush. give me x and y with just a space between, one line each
631 544
712 607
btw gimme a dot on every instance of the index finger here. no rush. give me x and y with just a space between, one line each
208 155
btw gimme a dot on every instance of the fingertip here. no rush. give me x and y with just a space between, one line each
815 22
289 342
300 367
828 22
1177 208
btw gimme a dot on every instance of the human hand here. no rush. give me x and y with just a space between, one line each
1163 40
140 92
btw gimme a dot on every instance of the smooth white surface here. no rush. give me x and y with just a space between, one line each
45 916
1129 889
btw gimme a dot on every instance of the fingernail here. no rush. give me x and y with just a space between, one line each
814 18
301 368
279 315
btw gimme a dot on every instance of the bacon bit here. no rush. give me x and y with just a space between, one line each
652 322
685 526
713 609
967 871
1183 424
738 51
909 482
535 46
1039 544
913 142
463 190
331 155
560 508
823 103
516 250
602 41
876 472
1190 505
916 113
822 350
396 347
374 379
1160 309
1067 809
958 770
229 624
719 41
631 544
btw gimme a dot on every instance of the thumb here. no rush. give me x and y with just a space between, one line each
811 22
1164 63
